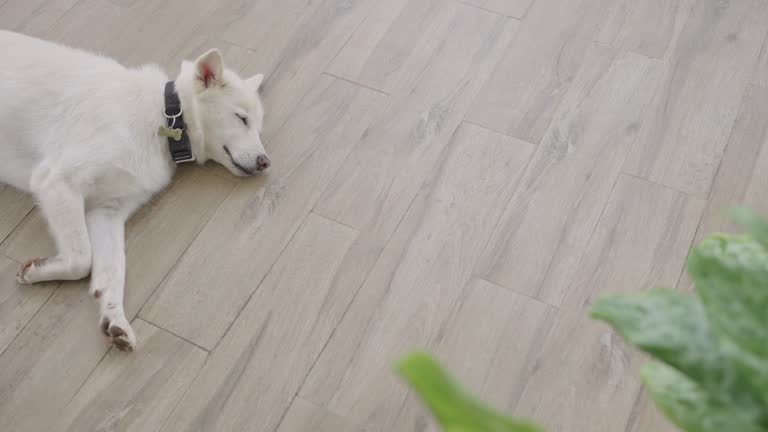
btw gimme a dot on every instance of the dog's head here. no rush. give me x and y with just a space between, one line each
229 115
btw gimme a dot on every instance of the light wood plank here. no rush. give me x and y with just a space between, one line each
378 181
646 417
382 175
33 17
18 303
536 247
648 27
760 75
439 51
46 364
293 43
512 8
691 117
490 344
586 379
256 222
743 172
258 367
305 416
641 241
134 392
351 60
408 296
99 26
529 84
117 29
150 30
29 240
14 206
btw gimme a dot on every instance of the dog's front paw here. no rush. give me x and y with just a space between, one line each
118 332
29 272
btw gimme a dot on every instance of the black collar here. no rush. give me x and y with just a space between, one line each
181 150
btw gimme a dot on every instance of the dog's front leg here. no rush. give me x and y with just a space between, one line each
106 228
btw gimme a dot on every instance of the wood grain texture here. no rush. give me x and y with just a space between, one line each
14 206
511 8
646 417
54 354
293 43
490 344
441 51
258 219
29 240
378 181
34 17
257 368
641 241
629 25
18 303
743 172
134 392
760 74
571 176
688 126
542 60
105 24
305 416
380 178
418 278
586 379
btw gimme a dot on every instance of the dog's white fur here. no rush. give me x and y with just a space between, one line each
79 131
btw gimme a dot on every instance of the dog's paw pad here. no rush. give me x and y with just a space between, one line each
121 337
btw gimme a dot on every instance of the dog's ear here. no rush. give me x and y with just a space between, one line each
255 81
209 68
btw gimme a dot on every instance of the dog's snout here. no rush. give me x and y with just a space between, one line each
262 162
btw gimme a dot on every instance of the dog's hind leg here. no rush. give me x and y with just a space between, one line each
64 210
106 230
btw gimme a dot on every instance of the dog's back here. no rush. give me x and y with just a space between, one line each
54 98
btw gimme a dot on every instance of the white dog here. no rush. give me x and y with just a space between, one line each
94 140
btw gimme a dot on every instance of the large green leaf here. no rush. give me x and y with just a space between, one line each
672 327
452 407
731 275
756 226
694 409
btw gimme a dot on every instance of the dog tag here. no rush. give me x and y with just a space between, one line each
174 134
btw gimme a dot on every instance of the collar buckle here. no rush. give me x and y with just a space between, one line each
172 117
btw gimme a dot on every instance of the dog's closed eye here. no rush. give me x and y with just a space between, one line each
243 118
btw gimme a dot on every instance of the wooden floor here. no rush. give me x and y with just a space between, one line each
464 176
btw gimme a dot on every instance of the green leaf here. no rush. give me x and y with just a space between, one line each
453 408
672 327
692 408
731 275
755 225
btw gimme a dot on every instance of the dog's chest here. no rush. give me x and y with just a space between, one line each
135 183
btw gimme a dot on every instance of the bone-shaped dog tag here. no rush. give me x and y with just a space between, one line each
174 134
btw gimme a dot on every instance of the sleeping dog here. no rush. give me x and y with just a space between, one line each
93 140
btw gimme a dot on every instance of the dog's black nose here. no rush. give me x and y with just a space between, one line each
262 162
